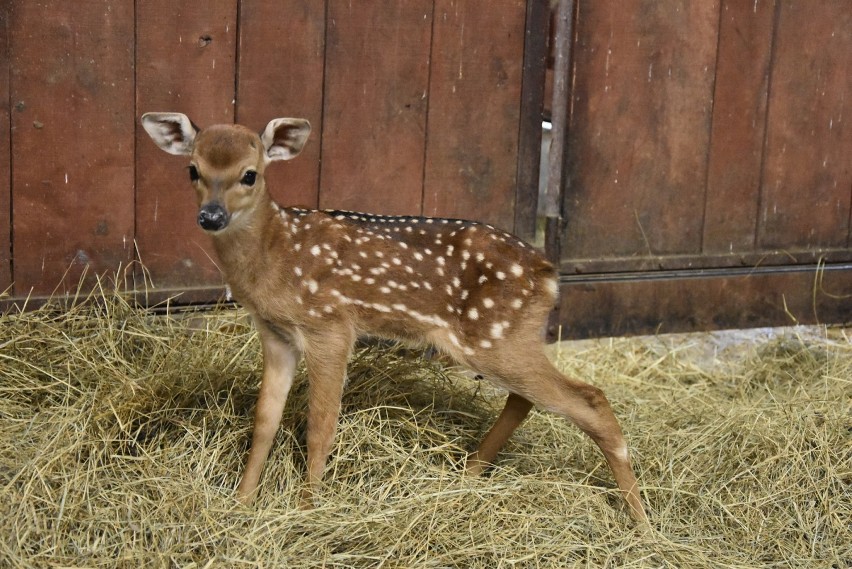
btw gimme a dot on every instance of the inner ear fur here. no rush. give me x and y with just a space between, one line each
173 132
284 138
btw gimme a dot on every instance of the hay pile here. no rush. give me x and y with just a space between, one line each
122 436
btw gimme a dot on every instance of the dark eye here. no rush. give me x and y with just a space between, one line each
193 173
249 178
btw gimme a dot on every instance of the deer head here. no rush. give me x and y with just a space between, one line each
227 162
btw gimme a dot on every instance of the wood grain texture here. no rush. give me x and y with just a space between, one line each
532 108
280 74
72 138
739 126
640 127
691 302
186 63
5 155
474 110
807 175
374 121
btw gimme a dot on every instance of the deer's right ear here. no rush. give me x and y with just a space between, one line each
173 132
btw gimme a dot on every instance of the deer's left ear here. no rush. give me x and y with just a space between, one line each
173 132
284 138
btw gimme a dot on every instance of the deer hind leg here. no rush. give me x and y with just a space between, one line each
539 382
516 410
325 358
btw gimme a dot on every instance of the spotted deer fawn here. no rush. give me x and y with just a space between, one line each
314 281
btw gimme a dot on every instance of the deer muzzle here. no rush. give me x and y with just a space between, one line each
213 217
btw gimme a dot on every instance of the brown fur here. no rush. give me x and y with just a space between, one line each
316 280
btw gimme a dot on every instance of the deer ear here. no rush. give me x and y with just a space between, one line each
173 132
284 139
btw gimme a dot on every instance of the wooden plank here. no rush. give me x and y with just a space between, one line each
808 172
739 126
532 107
72 140
281 62
374 121
557 171
158 301
778 257
690 301
474 110
5 155
185 63
640 127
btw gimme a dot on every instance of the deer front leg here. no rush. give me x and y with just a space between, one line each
326 360
280 357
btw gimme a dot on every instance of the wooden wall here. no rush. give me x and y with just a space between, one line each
709 166
708 141
5 162
709 134
415 106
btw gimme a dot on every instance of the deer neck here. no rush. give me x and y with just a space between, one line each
244 247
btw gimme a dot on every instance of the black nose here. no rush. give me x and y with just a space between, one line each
212 217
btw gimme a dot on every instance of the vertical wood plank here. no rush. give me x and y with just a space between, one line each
474 110
377 58
72 140
280 74
5 154
640 127
739 125
808 172
532 106
186 55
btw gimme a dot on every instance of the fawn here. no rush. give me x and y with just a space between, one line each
314 281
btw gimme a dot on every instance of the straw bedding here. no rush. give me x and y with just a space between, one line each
122 436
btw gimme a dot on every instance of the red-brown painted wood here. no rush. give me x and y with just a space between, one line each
763 180
807 176
691 302
739 126
280 74
185 63
474 110
532 113
374 122
640 127
5 156
72 140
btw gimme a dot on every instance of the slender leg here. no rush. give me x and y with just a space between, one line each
588 408
326 364
584 405
279 365
516 410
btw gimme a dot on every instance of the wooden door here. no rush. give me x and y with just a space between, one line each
709 173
